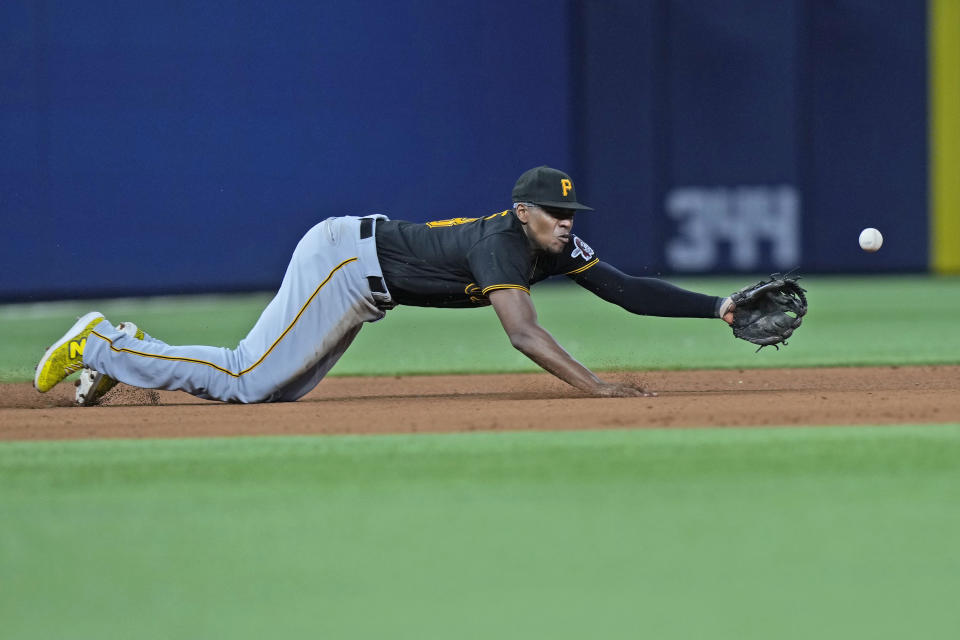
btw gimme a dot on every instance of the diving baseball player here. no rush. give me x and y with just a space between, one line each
347 271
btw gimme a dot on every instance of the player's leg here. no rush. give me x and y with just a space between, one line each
65 357
302 384
318 310
154 364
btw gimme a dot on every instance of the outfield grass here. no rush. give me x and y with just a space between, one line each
777 533
853 321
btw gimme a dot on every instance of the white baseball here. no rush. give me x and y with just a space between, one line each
870 240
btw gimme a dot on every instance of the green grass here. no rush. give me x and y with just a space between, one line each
852 321
775 533
766 533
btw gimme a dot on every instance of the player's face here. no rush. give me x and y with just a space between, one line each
548 229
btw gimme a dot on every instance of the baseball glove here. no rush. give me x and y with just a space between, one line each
768 312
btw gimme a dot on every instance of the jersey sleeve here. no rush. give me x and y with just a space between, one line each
576 258
500 261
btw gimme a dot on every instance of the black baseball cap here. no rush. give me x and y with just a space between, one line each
547 187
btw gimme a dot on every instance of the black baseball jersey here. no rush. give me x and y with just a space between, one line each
457 262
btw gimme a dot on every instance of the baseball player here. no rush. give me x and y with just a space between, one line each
346 271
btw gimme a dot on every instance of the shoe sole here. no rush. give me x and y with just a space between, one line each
93 397
81 399
71 333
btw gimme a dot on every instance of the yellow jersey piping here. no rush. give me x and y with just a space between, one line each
583 268
456 222
255 364
504 286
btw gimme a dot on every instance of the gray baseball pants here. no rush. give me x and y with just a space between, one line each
332 285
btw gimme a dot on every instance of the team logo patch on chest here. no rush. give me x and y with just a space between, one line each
581 249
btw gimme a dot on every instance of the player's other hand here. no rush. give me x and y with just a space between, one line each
621 390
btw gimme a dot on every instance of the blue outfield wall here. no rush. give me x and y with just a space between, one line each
765 135
157 147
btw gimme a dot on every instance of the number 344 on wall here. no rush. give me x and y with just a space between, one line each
743 218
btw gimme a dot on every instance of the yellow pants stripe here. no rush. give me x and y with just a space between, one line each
217 367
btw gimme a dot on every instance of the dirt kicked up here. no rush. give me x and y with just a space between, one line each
705 398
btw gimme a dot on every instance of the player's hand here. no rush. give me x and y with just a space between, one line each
726 310
621 390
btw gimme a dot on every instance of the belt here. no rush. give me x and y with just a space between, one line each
376 283
366 228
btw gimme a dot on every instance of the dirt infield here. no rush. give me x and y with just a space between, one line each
886 395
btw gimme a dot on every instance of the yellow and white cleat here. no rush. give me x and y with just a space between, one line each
92 384
66 354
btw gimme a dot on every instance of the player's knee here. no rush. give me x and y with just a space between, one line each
255 390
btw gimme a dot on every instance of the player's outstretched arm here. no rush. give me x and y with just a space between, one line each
649 296
519 319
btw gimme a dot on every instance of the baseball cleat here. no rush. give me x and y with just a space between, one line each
92 384
66 354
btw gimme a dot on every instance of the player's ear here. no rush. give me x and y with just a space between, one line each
523 214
